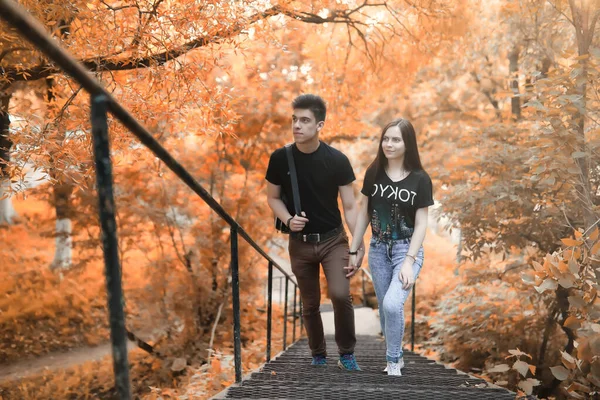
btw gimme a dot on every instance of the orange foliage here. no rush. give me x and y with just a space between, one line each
214 83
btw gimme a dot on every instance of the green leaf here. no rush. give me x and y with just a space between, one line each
518 353
566 281
500 368
522 367
527 385
548 283
560 372
529 277
576 301
573 266
535 104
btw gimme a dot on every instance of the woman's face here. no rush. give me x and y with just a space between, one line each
392 143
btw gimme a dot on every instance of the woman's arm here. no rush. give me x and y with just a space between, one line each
406 274
360 227
416 241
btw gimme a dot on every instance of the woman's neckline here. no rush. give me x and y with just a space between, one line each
400 180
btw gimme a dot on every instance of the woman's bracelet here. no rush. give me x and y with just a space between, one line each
353 253
288 221
411 256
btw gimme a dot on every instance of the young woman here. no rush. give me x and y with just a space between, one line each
397 193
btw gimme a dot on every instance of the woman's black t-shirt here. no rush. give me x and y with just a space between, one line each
393 205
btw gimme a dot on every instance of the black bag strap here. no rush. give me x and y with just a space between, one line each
294 178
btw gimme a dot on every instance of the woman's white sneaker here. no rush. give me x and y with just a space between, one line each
394 369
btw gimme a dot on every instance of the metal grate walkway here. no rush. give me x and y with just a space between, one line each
291 376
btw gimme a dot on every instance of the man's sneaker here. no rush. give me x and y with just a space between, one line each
319 360
348 362
395 369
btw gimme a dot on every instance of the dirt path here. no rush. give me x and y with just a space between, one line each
58 360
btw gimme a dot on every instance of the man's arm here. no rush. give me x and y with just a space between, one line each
280 210
349 205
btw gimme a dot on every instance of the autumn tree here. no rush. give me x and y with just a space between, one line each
517 188
115 39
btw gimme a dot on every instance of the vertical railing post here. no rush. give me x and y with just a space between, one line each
235 294
412 318
118 334
363 289
280 289
294 315
285 301
301 317
269 309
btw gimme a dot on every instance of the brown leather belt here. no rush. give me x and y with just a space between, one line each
316 237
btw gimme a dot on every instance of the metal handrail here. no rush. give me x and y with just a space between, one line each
36 34
103 101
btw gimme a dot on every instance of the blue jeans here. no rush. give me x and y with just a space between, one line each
385 261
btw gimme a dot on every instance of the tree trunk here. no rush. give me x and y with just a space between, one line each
584 163
7 212
63 252
584 32
64 242
558 315
515 101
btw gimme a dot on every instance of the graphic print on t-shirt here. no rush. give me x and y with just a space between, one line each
393 205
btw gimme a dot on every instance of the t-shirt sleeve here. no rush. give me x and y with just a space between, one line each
425 196
345 174
274 170
368 182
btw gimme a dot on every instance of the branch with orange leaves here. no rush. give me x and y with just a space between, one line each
111 63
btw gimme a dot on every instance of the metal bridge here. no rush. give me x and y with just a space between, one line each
290 376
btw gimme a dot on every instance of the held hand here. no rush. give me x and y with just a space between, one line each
297 223
352 267
406 275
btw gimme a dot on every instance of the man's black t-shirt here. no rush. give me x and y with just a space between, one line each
393 205
320 173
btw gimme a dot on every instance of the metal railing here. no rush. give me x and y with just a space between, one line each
103 102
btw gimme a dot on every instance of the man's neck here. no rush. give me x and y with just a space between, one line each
309 147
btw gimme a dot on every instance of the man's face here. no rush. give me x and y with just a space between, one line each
305 126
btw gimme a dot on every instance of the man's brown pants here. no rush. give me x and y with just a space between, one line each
306 259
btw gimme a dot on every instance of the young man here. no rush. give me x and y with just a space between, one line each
317 236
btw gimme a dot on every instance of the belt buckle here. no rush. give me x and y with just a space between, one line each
309 237
317 235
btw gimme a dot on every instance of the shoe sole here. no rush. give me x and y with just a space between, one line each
341 366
